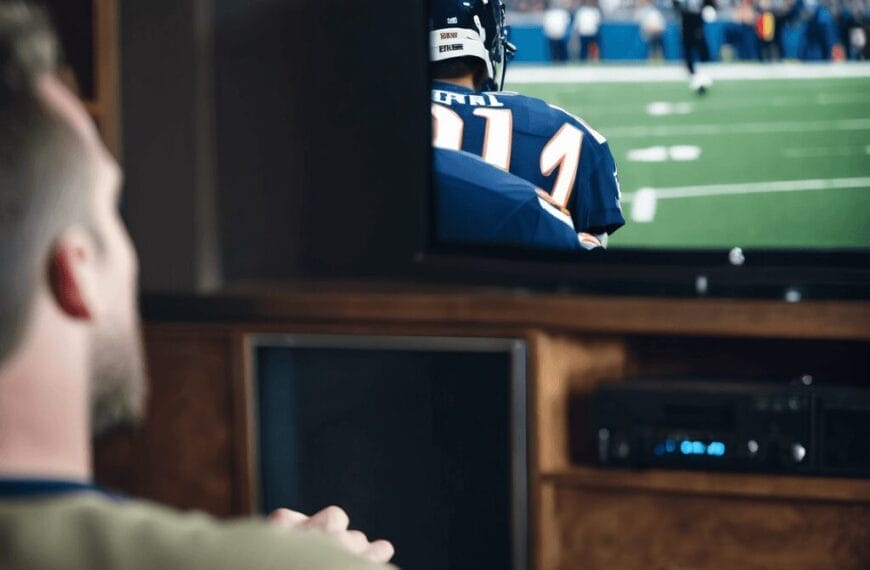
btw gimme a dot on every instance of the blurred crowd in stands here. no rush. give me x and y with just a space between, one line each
837 29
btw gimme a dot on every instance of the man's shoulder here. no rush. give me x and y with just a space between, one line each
463 169
138 534
533 105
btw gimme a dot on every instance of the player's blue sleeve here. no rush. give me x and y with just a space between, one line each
604 214
478 203
594 203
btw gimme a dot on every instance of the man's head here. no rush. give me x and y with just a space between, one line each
61 237
468 38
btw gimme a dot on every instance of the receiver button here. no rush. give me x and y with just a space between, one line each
798 452
752 446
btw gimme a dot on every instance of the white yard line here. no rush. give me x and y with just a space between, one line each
755 188
738 128
709 106
841 99
824 151
644 202
613 73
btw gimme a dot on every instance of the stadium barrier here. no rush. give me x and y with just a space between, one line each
622 41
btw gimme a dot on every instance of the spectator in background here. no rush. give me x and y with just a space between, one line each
741 32
767 24
587 25
820 36
852 27
787 14
611 8
526 5
557 25
652 28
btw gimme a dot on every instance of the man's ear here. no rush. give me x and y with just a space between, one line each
71 274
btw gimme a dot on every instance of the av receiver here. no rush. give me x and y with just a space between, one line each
732 426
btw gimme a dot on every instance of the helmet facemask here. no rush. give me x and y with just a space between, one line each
501 51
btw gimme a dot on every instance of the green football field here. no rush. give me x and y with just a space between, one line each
760 163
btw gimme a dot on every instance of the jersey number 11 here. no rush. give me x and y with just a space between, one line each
562 151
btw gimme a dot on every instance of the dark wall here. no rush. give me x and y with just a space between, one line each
273 139
321 141
167 125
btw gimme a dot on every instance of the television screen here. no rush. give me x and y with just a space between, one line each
421 440
564 127
590 161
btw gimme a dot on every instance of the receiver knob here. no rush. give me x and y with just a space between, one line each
798 452
752 446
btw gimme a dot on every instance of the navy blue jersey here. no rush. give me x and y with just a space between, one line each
478 203
542 144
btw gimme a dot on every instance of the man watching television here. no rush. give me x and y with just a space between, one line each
71 359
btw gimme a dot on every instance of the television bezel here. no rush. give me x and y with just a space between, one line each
790 275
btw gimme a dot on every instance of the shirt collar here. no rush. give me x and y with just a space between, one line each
19 488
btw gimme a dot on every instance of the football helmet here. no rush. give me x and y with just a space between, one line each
461 28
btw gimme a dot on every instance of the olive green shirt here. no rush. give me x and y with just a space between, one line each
89 531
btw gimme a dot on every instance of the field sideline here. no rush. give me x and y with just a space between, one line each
772 156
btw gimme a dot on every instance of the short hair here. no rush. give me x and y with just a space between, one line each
456 67
43 166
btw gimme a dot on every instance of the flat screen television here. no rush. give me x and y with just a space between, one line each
758 187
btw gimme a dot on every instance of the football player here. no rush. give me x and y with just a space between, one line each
548 147
693 15
477 203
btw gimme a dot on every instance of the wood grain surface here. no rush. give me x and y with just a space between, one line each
195 451
563 366
549 311
107 104
743 485
600 529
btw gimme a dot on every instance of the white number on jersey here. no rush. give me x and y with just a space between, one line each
562 151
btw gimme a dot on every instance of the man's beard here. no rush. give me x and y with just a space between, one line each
119 385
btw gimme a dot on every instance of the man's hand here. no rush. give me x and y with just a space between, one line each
334 522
